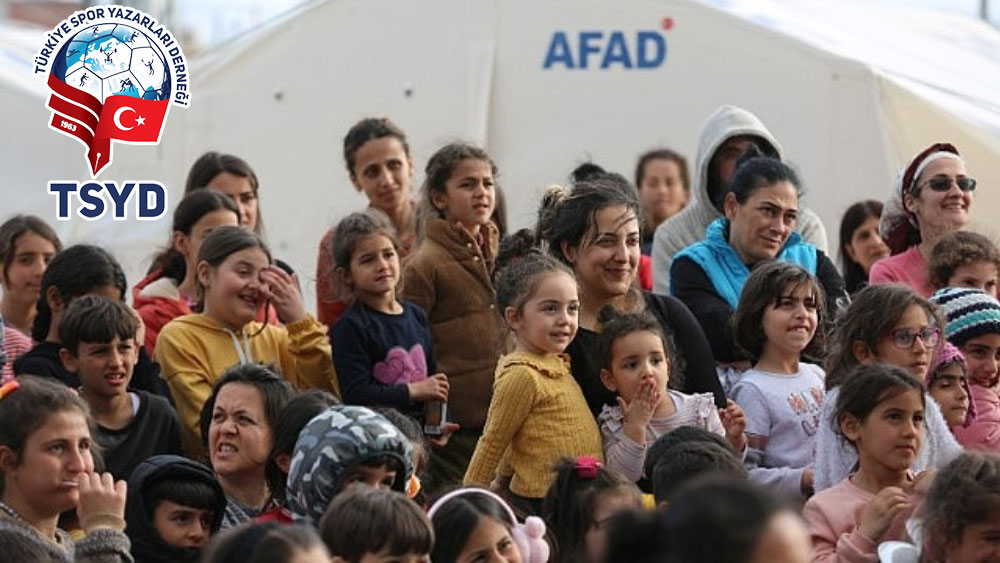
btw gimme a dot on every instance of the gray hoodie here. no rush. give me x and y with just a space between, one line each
688 226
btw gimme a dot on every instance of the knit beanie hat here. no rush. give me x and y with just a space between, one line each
333 443
969 313
946 355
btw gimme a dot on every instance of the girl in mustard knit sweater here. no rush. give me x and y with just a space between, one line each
537 414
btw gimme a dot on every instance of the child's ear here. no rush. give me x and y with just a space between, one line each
179 242
439 199
608 380
345 275
68 359
862 353
512 317
53 298
850 426
204 270
8 459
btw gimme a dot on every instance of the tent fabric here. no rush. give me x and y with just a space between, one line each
851 92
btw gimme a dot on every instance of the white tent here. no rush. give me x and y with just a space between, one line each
849 91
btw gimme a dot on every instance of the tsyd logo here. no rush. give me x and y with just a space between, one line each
113 72
595 49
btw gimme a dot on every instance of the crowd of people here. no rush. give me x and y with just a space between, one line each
667 371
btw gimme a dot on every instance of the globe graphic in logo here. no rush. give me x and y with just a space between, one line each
110 60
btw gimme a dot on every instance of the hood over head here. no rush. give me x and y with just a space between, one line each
332 444
724 124
147 545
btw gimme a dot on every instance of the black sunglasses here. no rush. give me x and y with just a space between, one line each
943 184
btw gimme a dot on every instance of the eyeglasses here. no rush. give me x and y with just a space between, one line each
943 184
904 337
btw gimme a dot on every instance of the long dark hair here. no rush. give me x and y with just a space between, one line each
854 274
190 210
18 225
73 272
211 164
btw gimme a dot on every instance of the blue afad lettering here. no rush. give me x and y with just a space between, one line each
97 198
595 49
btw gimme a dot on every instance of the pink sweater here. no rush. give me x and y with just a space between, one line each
984 432
833 517
907 267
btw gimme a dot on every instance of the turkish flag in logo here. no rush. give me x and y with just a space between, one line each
120 118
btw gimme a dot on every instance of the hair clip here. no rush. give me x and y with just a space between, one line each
587 466
9 387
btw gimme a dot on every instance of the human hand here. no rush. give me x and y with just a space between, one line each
434 388
640 410
100 497
881 510
282 290
447 429
734 420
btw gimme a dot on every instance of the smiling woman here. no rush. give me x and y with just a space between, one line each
594 229
761 215
931 198
237 424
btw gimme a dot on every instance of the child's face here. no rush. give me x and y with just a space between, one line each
23 279
190 245
469 196
239 438
182 526
607 259
374 269
547 321
104 368
914 358
980 543
380 476
889 438
606 507
981 275
982 358
948 391
232 290
489 542
54 456
382 171
386 556
790 323
637 358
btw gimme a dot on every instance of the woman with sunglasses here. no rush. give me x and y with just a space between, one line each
932 197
